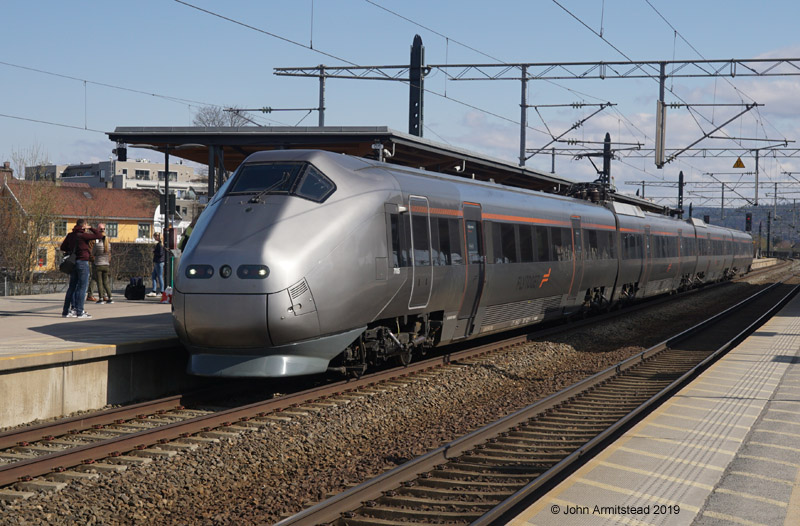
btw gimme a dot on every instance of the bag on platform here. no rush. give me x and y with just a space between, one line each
135 289
69 263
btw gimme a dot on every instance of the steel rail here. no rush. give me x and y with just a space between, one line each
331 509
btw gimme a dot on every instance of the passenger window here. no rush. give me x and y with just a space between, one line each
444 241
509 243
473 241
456 252
525 244
542 243
562 243
315 186
422 254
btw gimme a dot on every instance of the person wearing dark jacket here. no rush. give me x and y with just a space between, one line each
77 241
159 257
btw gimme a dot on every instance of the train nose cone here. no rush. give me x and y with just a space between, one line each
226 320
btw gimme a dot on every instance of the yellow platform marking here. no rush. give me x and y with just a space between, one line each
772 409
779 421
781 433
793 510
761 477
731 518
83 349
775 446
774 461
694 432
676 459
650 474
727 391
713 412
735 385
705 420
750 496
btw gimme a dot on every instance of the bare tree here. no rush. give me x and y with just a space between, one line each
213 116
27 212
33 157
26 216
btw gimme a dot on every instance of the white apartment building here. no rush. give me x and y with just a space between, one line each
189 188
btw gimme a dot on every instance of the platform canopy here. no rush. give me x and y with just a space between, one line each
227 147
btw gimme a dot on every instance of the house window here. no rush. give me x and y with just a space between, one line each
173 176
144 230
112 229
60 228
41 255
125 172
143 175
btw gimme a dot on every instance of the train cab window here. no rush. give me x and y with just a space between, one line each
293 178
525 243
275 177
314 186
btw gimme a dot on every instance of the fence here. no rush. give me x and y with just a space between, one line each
128 260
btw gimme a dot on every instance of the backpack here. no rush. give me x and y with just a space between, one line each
135 289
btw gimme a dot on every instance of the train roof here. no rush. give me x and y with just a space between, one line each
236 143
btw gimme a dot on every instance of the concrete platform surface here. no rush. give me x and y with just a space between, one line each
724 450
33 333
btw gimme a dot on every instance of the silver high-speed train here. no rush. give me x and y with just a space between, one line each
306 261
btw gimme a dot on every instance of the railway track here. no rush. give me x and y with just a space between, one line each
161 427
483 476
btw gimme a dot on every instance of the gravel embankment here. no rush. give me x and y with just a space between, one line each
260 476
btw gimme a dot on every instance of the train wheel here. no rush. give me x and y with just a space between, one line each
404 358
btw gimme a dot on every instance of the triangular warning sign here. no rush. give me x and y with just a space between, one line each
738 163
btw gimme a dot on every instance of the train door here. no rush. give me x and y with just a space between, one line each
421 269
647 261
577 258
475 270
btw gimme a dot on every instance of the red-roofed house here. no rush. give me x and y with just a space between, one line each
128 214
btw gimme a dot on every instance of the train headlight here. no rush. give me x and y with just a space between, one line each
225 271
252 271
199 271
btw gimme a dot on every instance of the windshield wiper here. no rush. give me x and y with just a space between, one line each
257 198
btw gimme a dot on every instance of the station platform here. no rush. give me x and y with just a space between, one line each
51 366
724 450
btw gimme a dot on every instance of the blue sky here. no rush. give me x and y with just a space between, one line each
156 62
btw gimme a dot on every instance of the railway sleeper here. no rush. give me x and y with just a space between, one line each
386 513
473 485
437 504
490 472
452 492
503 457
544 447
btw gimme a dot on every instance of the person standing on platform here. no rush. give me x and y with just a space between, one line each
92 274
101 265
159 257
76 241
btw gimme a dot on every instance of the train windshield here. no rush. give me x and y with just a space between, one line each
299 179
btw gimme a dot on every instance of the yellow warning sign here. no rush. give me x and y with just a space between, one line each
738 163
